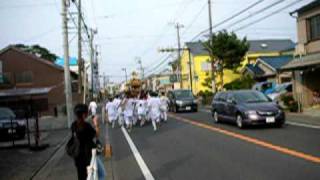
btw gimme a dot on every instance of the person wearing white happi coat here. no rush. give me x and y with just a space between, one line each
117 102
128 112
111 110
154 105
164 107
142 110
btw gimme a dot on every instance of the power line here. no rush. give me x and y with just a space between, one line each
256 12
195 18
229 18
268 15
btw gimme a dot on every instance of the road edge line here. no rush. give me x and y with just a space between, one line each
252 140
144 168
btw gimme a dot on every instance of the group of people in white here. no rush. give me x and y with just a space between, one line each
130 111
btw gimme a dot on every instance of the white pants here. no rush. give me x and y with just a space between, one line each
128 120
164 115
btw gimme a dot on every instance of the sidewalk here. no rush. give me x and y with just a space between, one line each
61 166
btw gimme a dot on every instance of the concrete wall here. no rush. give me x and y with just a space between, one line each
302 26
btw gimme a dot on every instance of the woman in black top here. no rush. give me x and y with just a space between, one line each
86 135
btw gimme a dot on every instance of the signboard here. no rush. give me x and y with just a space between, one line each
173 78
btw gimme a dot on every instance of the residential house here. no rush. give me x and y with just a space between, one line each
306 66
201 67
24 71
268 48
161 81
268 69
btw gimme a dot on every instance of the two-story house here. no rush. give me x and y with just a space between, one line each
306 65
201 67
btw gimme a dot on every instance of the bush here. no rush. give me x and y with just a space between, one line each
290 102
206 97
245 82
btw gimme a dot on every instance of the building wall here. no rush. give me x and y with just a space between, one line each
43 75
302 26
199 74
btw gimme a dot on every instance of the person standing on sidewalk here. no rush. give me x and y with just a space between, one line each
86 135
93 108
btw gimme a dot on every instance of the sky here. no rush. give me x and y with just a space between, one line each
131 29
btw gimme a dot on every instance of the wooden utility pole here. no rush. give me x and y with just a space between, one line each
213 83
67 81
179 75
80 62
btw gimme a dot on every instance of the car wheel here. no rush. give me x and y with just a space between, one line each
215 117
239 121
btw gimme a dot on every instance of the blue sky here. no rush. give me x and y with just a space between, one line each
137 28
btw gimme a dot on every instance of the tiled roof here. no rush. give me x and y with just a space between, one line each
275 62
266 45
270 45
308 7
255 70
307 61
197 48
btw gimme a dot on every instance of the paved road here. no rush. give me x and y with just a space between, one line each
191 146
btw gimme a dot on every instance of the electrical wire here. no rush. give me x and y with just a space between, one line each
267 16
229 18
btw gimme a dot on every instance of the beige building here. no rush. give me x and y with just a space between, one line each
306 65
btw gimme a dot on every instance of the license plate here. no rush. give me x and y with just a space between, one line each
10 131
188 108
270 119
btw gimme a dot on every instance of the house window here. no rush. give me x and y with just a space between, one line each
314 28
24 77
205 66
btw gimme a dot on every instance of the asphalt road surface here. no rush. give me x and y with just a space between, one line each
191 146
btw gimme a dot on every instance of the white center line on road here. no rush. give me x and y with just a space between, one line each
287 122
145 170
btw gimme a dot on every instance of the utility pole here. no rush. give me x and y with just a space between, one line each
80 63
67 81
179 75
91 59
213 83
210 17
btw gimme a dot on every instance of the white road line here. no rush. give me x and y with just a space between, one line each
287 122
303 125
145 170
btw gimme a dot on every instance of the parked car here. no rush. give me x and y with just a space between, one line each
246 107
280 90
264 87
10 124
182 100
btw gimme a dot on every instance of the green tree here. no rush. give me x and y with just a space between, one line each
226 50
38 51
